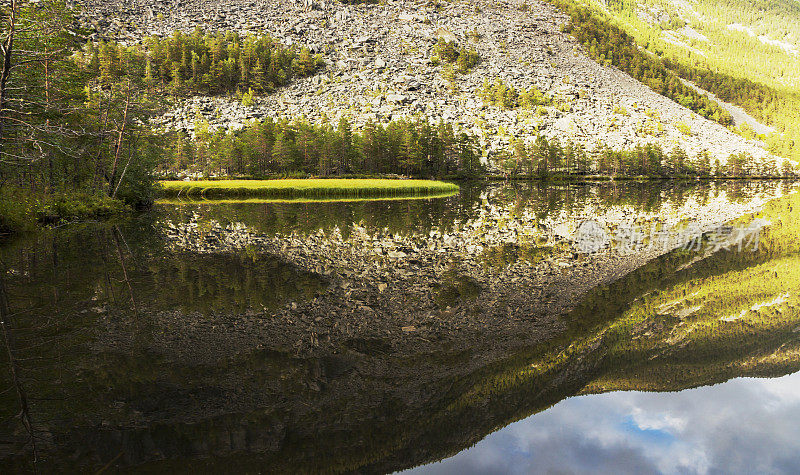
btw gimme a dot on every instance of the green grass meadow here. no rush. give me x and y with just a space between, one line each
305 188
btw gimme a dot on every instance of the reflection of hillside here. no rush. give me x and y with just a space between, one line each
364 406
665 327
645 332
728 315
540 200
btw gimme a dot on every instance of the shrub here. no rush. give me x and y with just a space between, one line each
684 128
16 210
449 51
502 95
72 206
247 98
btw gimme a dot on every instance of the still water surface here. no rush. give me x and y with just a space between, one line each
125 351
745 425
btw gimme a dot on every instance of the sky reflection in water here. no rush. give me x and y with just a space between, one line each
745 425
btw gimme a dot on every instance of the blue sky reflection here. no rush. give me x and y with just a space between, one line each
743 426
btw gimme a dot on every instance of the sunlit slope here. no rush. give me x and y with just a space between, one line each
745 52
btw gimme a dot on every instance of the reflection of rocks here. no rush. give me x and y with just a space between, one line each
500 270
394 361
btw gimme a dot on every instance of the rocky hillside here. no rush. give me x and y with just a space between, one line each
379 67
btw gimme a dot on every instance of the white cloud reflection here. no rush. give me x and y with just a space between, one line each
742 426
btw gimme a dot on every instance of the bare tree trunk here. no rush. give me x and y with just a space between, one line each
50 178
124 170
102 123
8 342
118 146
7 49
115 233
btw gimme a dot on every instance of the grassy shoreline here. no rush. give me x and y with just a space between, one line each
305 188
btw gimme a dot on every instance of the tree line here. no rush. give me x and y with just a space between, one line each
289 148
418 148
201 63
547 158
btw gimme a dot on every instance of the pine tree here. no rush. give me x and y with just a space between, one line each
177 79
284 152
521 158
541 155
704 163
149 80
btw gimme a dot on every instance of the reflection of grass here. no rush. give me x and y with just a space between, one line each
305 188
196 201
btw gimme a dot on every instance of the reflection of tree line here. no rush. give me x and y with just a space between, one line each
233 283
55 286
14 382
44 330
642 197
419 216
103 266
400 216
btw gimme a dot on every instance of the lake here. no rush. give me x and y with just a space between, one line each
466 334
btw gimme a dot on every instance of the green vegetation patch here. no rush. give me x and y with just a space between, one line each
305 188
450 52
201 63
457 288
506 96
735 66
610 45
21 210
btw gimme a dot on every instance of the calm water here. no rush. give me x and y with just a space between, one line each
742 426
127 349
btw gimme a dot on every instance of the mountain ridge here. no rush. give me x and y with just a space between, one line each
380 66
